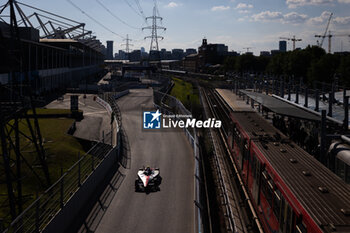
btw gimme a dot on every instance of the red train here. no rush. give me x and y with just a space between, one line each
290 190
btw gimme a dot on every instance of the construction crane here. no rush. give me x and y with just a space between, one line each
292 39
330 39
247 48
325 34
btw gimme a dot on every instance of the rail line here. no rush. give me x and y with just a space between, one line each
227 171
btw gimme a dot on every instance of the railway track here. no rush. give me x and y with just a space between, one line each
239 213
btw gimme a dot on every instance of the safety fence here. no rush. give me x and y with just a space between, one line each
39 214
43 211
191 136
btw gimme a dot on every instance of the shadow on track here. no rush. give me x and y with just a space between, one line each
92 215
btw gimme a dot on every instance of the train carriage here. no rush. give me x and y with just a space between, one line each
291 190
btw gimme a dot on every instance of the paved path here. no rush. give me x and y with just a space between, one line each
236 103
96 122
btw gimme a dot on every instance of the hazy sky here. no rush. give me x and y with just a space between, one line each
237 23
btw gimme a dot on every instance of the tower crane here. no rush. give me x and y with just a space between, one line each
330 39
325 35
292 39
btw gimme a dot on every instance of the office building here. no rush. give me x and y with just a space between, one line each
109 55
283 46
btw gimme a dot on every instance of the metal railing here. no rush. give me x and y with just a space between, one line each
39 214
49 203
174 106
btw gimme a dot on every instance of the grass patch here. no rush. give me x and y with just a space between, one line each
186 93
61 150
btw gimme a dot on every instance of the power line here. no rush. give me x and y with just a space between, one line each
140 8
119 19
126 1
93 19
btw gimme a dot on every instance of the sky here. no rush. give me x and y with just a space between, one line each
239 24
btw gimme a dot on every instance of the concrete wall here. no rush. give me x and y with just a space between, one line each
71 211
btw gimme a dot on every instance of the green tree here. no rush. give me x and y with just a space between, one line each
277 64
245 62
323 70
229 63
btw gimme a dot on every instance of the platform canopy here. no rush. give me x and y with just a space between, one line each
281 107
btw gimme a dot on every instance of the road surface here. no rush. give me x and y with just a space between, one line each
172 208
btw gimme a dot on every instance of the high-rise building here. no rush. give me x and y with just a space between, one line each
162 54
190 51
265 53
135 55
109 55
122 55
283 46
178 54
211 53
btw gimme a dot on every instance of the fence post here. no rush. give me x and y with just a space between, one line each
323 92
306 104
317 100
323 136
79 170
282 87
289 87
330 102
346 113
344 95
297 95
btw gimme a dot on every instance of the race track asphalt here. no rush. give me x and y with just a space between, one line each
172 208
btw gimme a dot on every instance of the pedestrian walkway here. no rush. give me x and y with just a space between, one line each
96 125
235 102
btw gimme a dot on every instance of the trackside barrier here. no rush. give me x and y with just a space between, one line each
56 208
193 140
59 197
115 124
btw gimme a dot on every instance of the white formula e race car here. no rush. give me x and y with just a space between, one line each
148 179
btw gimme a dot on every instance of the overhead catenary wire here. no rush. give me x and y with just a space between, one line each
93 19
116 17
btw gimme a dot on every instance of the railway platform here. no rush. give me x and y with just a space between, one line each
234 101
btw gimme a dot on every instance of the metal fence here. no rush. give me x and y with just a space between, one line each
49 203
170 103
174 106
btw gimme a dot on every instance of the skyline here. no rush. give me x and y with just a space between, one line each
236 23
